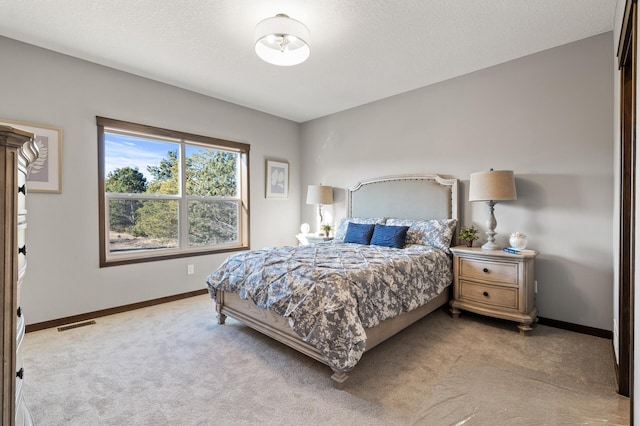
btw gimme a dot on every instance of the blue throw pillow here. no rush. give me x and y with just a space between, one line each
389 236
359 233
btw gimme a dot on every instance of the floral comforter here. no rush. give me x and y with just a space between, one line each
331 292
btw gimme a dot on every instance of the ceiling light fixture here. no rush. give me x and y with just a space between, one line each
282 41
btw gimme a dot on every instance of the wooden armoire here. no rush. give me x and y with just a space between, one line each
17 150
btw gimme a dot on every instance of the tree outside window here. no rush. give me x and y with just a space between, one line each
169 194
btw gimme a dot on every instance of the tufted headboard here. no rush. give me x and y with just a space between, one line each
405 196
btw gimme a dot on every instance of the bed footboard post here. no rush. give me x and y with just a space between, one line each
338 378
219 304
221 317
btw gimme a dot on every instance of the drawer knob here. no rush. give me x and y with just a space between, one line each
20 374
485 294
22 250
23 189
485 270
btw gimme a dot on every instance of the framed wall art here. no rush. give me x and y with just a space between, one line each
277 183
44 174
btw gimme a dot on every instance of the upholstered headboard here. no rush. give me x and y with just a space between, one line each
405 196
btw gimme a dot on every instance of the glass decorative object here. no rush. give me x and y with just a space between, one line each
518 240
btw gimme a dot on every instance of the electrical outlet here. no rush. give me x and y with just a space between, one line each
190 269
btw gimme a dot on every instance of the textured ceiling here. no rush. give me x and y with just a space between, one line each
361 50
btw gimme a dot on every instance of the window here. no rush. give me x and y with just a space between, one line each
166 194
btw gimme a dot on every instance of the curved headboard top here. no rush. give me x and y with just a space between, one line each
405 197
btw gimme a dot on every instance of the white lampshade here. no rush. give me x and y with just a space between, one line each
494 185
319 194
282 41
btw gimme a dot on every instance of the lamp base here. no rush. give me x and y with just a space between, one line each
490 245
491 229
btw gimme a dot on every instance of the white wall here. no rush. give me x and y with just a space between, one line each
63 277
548 117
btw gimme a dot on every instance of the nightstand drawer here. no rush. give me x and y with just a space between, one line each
505 297
490 271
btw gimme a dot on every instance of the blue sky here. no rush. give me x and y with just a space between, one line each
130 151
133 151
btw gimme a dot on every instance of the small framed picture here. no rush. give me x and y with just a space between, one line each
277 185
44 174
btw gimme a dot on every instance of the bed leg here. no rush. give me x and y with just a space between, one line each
219 304
338 378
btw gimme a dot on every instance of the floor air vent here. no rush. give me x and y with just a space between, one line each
76 325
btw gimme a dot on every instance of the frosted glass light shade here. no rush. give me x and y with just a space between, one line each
282 41
319 194
494 185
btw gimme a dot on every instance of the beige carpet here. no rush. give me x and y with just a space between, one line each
173 364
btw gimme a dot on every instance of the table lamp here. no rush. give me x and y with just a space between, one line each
319 194
491 187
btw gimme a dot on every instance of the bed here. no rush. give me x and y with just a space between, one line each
334 301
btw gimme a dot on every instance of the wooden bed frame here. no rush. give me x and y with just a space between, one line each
406 197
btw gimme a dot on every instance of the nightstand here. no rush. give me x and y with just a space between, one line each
494 283
310 239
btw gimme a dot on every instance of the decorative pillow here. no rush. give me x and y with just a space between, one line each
389 236
341 230
435 232
412 233
359 233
